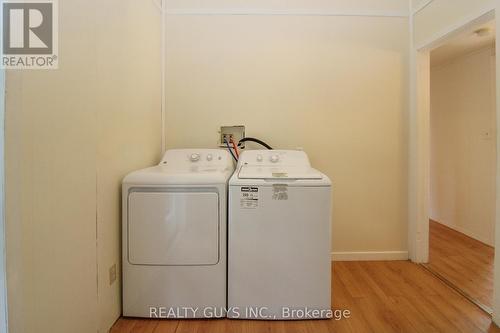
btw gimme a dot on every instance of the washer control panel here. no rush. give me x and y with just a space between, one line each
274 157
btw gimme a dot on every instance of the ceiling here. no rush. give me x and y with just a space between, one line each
464 43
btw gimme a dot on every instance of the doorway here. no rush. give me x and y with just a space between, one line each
423 203
463 163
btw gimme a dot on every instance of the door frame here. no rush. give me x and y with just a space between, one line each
419 143
3 270
3 248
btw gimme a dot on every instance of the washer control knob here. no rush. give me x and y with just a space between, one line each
209 157
274 158
195 157
259 158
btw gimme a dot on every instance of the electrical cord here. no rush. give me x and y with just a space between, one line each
235 148
260 142
230 151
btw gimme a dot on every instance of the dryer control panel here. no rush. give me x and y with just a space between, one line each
188 158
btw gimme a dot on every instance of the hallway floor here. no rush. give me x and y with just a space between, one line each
393 296
463 261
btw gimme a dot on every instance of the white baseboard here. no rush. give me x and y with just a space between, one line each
469 233
370 256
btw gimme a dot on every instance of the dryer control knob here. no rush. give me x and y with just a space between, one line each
195 157
209 157
259 158
274 158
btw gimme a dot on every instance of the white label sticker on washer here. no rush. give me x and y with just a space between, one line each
280 192
249 197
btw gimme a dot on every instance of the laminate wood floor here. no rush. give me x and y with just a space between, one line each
463 261
383 297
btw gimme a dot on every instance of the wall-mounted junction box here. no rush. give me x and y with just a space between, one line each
235 132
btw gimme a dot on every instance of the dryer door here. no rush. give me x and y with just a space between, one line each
173 228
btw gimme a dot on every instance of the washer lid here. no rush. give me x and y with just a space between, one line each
278 172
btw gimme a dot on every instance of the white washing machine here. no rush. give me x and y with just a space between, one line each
174 236
279 264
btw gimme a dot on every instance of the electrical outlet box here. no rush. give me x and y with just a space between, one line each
112 274
231 132
486 134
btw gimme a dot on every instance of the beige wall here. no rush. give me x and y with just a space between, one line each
71 135
334 85
463 145
128 124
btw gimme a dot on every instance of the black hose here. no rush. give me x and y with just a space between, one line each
260 142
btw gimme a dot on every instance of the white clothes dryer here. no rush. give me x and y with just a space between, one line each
174 236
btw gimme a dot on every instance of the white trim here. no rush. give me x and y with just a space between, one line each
163 79
467 232
417 206
370 256
3 251
284 12
496 264
412 247
421 7
482 16
4 304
